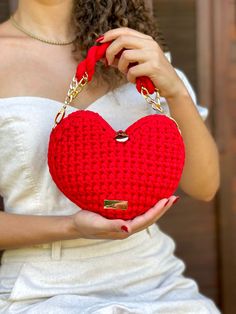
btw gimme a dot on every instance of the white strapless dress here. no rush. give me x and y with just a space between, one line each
139 275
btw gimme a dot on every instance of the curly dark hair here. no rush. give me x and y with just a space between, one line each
94 17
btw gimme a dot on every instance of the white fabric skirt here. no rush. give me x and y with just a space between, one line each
139 275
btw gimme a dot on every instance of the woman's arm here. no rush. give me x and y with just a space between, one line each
200 177
26 230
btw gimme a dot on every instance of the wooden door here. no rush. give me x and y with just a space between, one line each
191 223
224 52
202 37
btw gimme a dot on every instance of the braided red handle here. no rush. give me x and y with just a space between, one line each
96 53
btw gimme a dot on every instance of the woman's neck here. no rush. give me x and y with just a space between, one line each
51 19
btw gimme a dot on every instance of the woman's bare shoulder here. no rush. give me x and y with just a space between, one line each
5 28
10 51
9 37
4 38
6 43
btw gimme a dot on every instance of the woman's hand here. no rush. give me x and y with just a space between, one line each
90 225
201 175
140 55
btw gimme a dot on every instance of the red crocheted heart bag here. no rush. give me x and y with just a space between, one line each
116 173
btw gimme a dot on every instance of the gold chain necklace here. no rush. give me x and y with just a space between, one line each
20 28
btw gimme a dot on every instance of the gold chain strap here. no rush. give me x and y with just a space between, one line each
75 88
156 103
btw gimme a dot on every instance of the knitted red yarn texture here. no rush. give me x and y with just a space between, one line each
90 166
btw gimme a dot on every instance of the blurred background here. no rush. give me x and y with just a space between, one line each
201 35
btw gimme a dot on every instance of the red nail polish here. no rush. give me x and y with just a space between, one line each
166 203
99 39
124 228
176 200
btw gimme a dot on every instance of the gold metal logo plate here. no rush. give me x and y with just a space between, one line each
115 204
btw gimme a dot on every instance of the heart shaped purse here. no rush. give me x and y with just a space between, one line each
119 174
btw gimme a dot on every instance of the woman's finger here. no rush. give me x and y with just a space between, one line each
116 32
130 56
109 225
143 220
124 42
167 206
152 215
144 69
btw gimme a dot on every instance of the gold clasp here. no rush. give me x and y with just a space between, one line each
156 103
75 88
121 136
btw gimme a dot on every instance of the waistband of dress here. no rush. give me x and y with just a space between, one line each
78 248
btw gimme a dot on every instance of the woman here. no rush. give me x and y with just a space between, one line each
56 260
